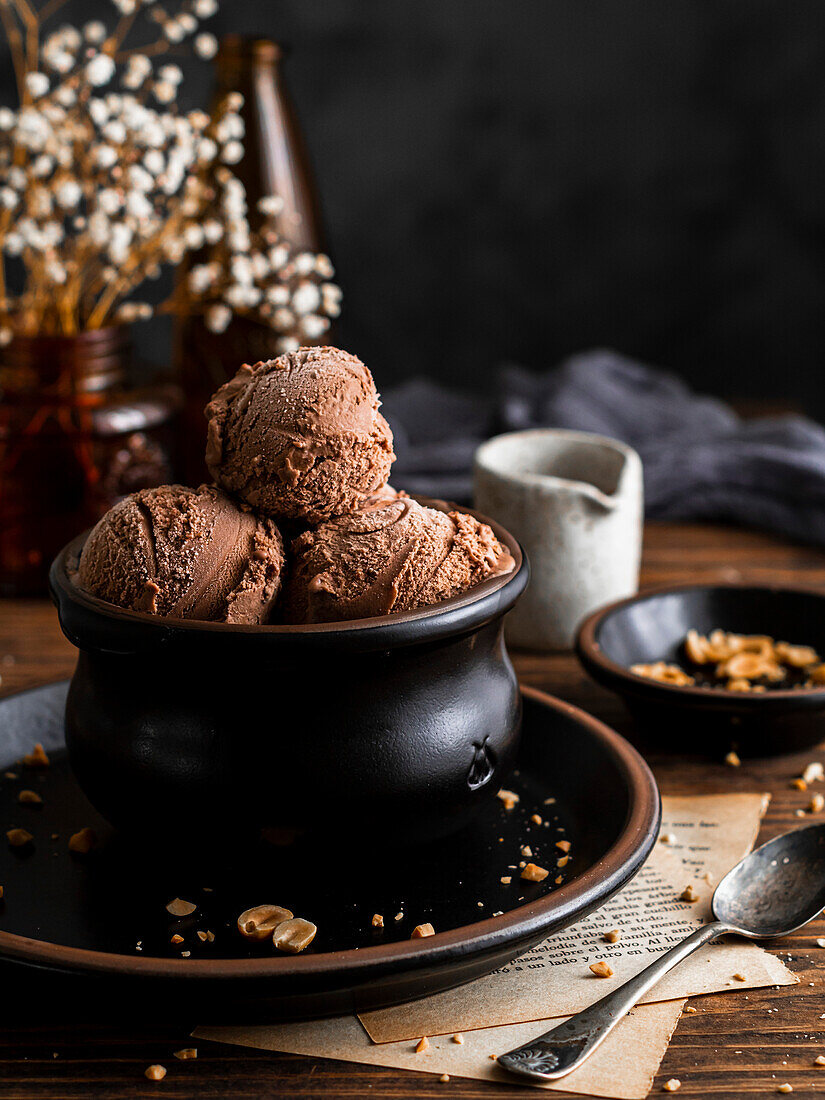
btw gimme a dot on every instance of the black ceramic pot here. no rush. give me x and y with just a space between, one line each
396 728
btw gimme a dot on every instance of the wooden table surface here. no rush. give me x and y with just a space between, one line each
730 1048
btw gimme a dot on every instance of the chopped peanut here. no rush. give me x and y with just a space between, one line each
533 873
155 1073
18 838
601 969
613 936
377 920
177 907
817 804
664 673
294 936
422 1045
422 930
673 1085
31 798
260 922
508 798
564 845
37 758
187 1054
83 841
688 894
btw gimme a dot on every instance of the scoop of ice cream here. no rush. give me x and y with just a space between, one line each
300 437
187 554
389 559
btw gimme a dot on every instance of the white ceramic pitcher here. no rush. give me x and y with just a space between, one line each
574 500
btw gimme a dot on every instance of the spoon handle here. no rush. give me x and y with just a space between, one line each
565 1047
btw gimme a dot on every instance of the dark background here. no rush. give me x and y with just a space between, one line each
522 179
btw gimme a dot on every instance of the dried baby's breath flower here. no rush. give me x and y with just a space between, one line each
106 178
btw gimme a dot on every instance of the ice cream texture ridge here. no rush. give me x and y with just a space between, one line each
298 440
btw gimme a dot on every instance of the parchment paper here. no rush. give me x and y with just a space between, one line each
624 1066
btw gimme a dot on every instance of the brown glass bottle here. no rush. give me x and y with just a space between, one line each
73 441
275 162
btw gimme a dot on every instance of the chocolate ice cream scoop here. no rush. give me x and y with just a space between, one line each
187 554
396 558
300 437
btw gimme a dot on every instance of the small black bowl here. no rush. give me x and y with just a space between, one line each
395 728
651 627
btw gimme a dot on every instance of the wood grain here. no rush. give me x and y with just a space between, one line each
735 1045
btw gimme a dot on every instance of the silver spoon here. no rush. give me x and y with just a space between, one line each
772 892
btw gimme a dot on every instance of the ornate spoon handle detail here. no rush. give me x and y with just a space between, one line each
565 1047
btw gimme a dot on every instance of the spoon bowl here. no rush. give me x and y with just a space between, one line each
776 889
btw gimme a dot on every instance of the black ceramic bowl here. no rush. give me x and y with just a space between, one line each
394 728
651 627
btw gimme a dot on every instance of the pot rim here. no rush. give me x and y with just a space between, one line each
79 610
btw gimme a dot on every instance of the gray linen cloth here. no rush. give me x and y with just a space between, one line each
701 460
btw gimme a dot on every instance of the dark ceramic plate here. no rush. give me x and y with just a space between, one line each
651 627
104 915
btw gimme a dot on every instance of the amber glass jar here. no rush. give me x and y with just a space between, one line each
73 440
275 163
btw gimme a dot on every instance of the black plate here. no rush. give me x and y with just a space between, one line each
652 626
104 914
